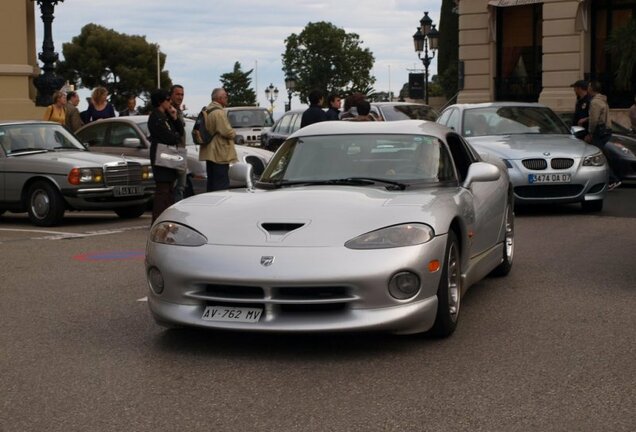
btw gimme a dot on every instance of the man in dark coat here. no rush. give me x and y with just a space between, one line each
314 113
582 107
334 102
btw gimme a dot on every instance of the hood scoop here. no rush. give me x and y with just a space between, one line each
277 231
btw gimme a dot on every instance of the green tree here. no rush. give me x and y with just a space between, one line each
325 57
448 53
237 85
124 64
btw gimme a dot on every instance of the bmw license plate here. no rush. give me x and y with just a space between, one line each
232 314
550 178
127 190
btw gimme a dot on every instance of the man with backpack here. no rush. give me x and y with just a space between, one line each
218 151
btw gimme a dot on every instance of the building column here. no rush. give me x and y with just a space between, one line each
563 54
476 51
18 65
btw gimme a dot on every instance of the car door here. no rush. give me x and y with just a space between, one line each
487 202
279 132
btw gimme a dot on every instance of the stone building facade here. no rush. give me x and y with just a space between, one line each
18 61
533 50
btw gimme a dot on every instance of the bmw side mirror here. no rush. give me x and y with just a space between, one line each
578 131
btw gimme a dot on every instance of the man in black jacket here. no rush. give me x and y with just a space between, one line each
333 111
314 113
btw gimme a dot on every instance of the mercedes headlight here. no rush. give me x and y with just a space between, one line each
409 234
597 159
172 233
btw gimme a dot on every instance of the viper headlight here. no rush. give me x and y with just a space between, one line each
409 234
172 233
597 159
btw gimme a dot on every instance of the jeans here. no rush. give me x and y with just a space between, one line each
218 176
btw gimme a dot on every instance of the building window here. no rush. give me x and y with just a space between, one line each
607 15
519 53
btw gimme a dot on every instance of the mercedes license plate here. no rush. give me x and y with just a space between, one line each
127 190
550 178
232 314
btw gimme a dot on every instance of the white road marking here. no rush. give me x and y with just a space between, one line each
143 299
60 235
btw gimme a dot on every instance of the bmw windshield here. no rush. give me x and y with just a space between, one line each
512 120
393 161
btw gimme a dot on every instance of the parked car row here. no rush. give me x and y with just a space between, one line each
385 111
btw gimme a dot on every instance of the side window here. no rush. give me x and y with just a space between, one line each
283 126
443 119
461 153
453 120
296 122
94 136
121 131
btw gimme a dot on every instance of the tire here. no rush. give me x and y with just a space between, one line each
131 212
592 206
509 244
45 204
449 292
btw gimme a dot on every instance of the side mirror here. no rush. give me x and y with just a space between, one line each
132 142
242 172
578 131
481 172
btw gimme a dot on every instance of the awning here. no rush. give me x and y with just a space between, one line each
506 3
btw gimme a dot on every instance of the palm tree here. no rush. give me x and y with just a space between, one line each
621 43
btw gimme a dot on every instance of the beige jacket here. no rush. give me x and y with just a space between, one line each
599 112
221 150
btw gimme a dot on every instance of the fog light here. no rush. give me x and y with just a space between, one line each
404 285
155 279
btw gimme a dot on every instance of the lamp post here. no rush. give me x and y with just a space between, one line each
290 85
271 93
424 38
48 82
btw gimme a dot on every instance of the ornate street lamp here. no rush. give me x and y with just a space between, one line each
424 38
47 82
271 93
290 85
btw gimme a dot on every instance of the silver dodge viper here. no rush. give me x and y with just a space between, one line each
353 226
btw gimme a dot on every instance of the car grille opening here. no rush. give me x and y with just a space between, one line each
561 163
122 173
310 293
235 292
535 164
548 191
312 308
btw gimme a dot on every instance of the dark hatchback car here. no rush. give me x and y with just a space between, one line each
620 151
385 111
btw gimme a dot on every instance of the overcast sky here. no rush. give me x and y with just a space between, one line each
202 39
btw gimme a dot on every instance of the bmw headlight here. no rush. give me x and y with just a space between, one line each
172 233
394 236
597 159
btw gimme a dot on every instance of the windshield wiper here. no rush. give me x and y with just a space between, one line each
352 181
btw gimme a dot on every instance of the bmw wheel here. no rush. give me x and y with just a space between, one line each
449 292
45 204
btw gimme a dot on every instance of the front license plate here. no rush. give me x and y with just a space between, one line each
127 190
232 314
550 178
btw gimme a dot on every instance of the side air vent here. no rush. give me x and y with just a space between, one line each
281 228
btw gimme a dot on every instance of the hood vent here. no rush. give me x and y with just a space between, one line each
274 228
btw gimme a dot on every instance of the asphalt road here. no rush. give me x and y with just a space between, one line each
551 347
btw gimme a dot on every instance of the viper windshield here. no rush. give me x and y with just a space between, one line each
389 160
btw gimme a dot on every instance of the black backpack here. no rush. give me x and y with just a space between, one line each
200 134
